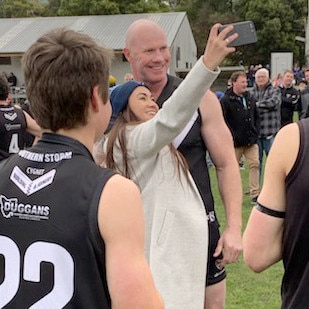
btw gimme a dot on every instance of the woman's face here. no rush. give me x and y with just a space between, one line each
142 104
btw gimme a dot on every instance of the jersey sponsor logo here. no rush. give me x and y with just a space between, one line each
46 157
35 171
10 126
11 207
10 116
28 186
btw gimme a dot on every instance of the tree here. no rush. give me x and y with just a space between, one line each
51 8
203 15
275 25
108 7
20 8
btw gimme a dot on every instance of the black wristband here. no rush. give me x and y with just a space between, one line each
270 212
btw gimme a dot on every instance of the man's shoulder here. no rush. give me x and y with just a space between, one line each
305 91
173 80
172 83
228 95
271 89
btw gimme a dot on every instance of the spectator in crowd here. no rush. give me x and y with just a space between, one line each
148 53
277 81
268 101
15 123
12 79
3 74
242 118
299 73
304 98
289 98
112 81
69 228
278 227
251 75
127 77
301 85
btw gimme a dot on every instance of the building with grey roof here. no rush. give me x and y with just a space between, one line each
17 34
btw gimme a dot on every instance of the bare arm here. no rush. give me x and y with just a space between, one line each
263 235
121 222
32 127
219 142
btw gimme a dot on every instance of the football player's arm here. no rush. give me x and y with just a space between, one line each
32 126
262 238
121 223
219 142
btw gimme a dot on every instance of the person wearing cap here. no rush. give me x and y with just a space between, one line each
112 81
139 146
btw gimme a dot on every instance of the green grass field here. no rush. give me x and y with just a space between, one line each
246 289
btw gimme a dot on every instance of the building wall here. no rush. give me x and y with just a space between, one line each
183 50
120 67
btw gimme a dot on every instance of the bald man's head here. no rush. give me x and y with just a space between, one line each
141 26
147 51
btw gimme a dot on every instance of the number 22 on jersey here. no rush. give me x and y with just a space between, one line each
36 253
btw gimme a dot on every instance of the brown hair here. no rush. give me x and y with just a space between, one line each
118 132
61 69
236 74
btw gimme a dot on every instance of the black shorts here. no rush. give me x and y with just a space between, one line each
214 274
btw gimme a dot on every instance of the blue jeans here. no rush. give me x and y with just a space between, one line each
264 145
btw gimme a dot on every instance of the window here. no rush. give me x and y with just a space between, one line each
5 61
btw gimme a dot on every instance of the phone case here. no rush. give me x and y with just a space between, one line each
246 33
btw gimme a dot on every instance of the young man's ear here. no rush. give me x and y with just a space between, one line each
96 98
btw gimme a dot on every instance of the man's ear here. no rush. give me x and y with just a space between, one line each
95 98
126 53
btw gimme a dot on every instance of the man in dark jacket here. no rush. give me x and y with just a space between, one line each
242 118
289 98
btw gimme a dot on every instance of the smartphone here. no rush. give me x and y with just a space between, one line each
246 33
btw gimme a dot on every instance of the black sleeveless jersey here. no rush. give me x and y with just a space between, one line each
194 150
12 130
295 254
51 251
